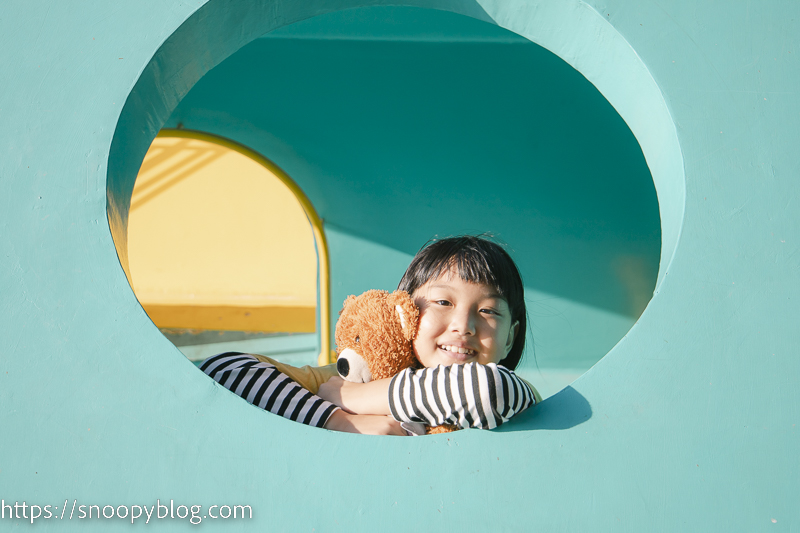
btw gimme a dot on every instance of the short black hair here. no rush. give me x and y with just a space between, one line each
477 260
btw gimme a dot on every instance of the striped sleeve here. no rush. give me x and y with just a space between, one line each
468 396
264 386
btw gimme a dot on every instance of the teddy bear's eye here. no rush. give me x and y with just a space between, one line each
358 339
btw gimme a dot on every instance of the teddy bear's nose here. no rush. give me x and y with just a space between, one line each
343 367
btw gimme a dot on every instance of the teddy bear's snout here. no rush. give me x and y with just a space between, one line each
352 367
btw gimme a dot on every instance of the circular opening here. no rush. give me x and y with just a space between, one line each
404 123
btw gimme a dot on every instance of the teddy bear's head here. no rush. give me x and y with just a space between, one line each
374 335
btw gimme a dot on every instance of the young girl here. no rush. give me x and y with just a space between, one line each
471 332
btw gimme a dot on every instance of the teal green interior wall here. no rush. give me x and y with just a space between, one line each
406 123
690 422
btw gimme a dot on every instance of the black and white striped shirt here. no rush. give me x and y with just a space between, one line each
468 396
263 385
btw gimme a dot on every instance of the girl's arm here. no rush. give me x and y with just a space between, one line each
363 398
263 385
341 420
471 395
468 396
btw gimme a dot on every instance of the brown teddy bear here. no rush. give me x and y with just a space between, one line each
374 337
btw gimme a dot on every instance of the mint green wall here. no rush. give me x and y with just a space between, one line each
405 123
688 423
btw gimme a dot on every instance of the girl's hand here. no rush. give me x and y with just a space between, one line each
357 398
331 390
364 424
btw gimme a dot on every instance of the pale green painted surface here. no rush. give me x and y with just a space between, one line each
405 123
689 423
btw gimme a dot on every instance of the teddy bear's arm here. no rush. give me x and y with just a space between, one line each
467 396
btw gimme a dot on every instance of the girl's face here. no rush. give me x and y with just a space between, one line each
462 322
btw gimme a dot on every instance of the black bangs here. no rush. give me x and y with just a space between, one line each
476 260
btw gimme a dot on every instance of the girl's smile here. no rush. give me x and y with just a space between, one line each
462 322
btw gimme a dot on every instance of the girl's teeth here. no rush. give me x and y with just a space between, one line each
456 349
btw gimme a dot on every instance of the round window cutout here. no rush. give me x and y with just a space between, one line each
403 124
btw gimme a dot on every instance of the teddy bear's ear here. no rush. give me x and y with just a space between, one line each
407 313
349 300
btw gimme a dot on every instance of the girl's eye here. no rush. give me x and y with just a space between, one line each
442 302
490 312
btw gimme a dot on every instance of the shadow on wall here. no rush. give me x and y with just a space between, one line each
396 140
565 410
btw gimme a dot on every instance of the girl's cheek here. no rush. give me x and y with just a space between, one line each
415 347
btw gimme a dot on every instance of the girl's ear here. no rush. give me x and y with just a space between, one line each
512 335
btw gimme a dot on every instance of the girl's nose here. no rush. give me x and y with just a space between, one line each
463 322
